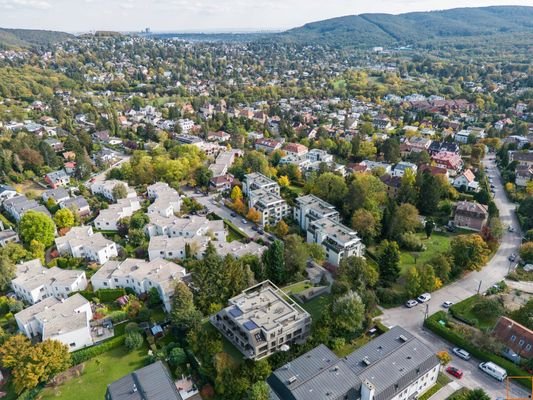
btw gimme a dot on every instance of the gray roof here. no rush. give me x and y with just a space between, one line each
152 382
316 375
57 194
391 362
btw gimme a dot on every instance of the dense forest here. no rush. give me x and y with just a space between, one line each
29 37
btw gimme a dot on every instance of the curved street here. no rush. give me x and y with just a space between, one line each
496 270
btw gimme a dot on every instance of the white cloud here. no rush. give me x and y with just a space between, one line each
16 4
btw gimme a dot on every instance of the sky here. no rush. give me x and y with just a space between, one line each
203 15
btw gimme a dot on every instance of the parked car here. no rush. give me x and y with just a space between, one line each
461 353
411 303
512 257
447 304
244 221
493 370
260 231
455 372
233 214
424 297
511 228
254 228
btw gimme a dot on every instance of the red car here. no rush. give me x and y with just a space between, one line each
455 372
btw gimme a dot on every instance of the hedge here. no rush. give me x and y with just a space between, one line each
105 295
432 323
83 355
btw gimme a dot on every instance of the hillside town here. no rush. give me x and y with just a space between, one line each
235 220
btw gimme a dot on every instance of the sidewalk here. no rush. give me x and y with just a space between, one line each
446 391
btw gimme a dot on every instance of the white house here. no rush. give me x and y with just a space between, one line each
338 240
105 189
140 276
66 320
6 192
81 242
34 283
189 227
311 208
109 218
19 205
167 201
402 166
466 180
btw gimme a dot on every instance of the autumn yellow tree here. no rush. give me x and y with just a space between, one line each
236 193
253 215
284 181
239 206
281 229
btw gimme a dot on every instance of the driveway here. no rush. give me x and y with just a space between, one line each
100 177
496 270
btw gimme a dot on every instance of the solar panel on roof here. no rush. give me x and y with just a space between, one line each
250 325
235 312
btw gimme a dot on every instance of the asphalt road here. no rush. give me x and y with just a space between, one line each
100 177
496 270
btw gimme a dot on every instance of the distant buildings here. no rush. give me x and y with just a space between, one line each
394 366
262 320
57 179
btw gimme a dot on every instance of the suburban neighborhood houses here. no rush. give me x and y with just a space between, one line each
339 211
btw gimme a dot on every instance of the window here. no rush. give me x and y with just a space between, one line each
528 347
72 344
521 342
513 338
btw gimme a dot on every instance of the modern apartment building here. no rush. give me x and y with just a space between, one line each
262 320
311 208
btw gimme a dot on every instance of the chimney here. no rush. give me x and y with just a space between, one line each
368 390
134 389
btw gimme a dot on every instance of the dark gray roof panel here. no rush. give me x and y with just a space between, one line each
152 382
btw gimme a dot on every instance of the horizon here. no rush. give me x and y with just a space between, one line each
202 16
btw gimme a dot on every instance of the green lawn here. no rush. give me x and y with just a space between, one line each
439 242
316 306
93 382
298 287
464 311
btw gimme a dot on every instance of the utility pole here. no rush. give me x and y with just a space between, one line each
479 286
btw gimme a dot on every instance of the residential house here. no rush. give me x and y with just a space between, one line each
522 157
470 215
381 122
221 183
153 382
6 193
523 175
414 145
167 201
219 136
310 208
141 276
466 181
296 149
451 161
33 282
101 136
82 242
262 320
58 195
77 205
105 189
20 205
188 227
57 178
338 240
186 125
7 235
395 365
108 219
65 320
392 184
400 168
55 144
514 336
267 145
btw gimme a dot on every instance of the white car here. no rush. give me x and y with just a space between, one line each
447 304
411 303
424 297
244 221
461 353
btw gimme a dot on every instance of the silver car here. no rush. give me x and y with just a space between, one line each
461 353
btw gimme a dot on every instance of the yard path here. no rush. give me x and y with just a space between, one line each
446 391
523 286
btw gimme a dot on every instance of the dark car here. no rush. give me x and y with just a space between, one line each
233 214
455 372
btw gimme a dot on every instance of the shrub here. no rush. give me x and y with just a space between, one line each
117 316
410 242
133 341
177 356
131 327
83 355
390 296
109 295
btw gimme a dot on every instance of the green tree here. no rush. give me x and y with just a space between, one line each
348 313
258 391
413 282
316 252
37 250
365 224
469 253
388 260
7 272
296 255
64 218
331 188
202 176
119 191
429 194
133 341
477 394
274 261
281 229
177 357
526 252
184 313
365 191
428 228
407 192
406 219
442 266
357 273
38 226
391 150
255 161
